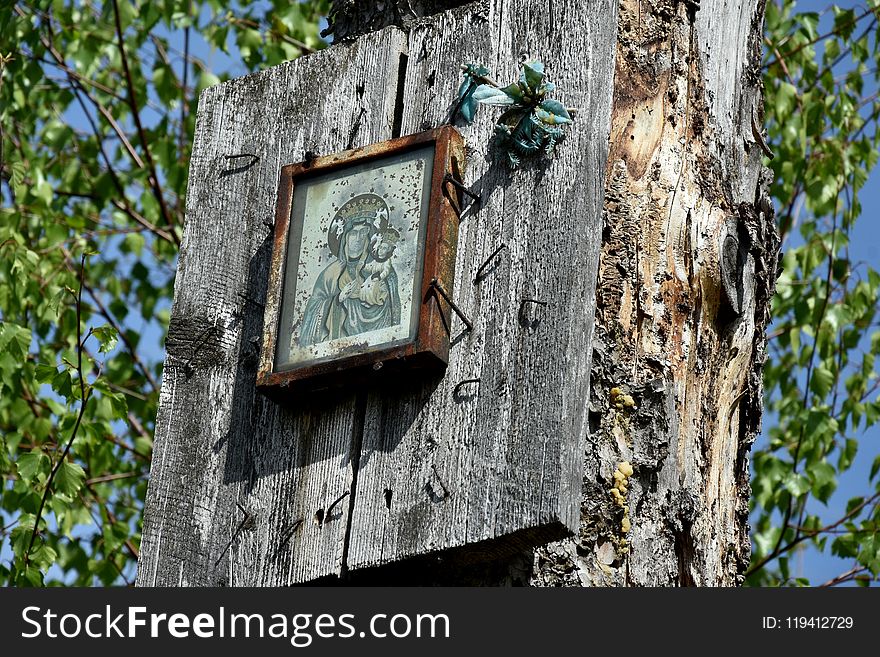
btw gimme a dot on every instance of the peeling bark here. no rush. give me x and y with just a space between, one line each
684 186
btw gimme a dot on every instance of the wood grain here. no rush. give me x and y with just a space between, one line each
684 175
236 478
491 467
498 466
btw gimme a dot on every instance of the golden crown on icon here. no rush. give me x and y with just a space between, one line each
363 206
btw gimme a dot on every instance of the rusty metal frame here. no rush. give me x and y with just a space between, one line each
429 350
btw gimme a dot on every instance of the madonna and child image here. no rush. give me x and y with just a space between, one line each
354 260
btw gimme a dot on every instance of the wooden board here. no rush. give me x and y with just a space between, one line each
237 479
499 465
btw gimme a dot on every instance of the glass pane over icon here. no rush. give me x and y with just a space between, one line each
355 255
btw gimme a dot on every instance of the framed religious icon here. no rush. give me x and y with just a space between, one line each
363 240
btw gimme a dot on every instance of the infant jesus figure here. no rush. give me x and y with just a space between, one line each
380 279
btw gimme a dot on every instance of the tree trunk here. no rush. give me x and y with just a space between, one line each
687 271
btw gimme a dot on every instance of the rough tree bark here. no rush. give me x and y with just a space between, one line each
688 267
687 270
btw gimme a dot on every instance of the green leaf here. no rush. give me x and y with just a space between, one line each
32 464
796 484
18 171
134 243
69 478
16 339
107 338
63 385
128 11
207 79
847 454
45 373
165 83
118 405
249 44
43 191
875 468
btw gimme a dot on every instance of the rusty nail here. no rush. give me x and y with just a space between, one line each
286 536
449 179
250 300
246 522
462 384
435 284
440 481
479 275
354 128
325 516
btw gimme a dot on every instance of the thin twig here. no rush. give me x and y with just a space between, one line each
114 178
846 51
106 314
136 116
810 534
844 577
82 409
132 550
788 75
822 37
71 72
113 477
74 79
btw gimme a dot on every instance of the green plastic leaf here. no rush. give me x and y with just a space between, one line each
467 104
553 112
493 96
533 74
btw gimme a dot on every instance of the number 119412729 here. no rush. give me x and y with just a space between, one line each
807 623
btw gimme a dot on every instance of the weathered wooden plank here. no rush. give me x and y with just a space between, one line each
730 54
500 464
350 18
236 478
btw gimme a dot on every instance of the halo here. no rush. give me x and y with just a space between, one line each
362 209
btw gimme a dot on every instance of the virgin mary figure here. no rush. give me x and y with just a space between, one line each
336 308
